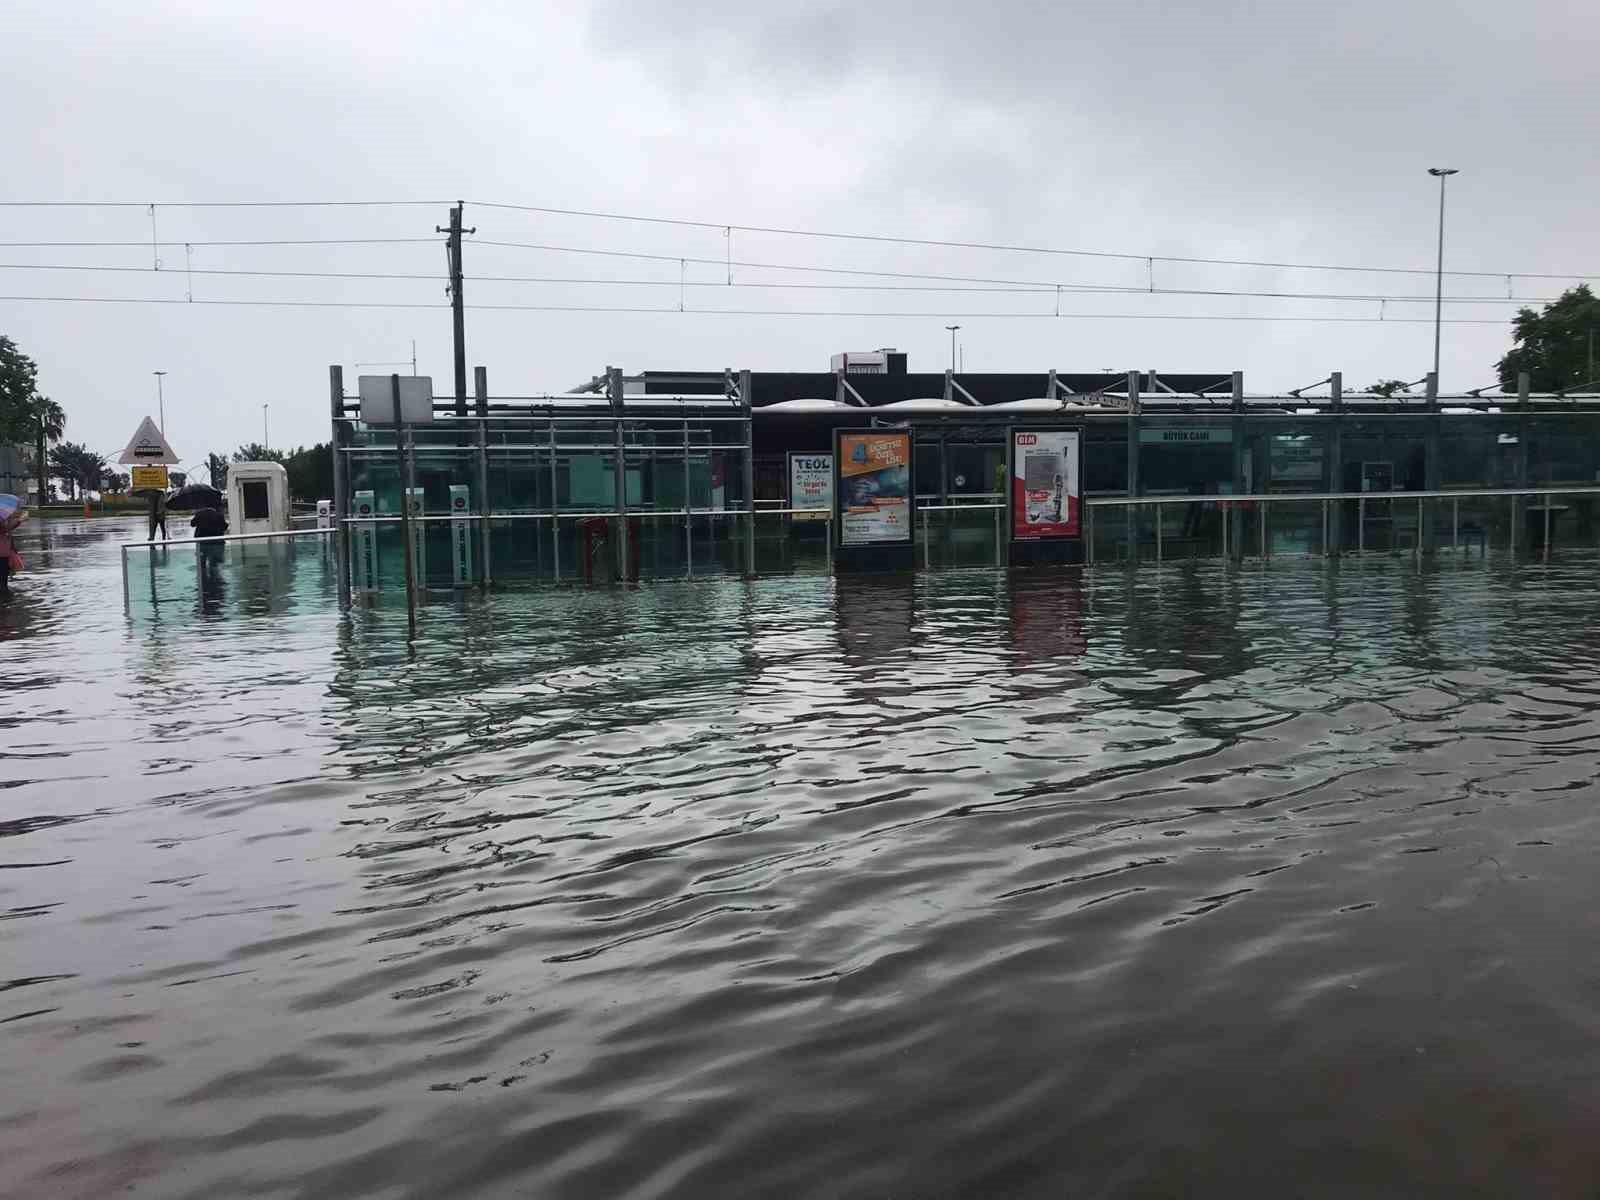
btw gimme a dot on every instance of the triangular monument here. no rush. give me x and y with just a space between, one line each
149 447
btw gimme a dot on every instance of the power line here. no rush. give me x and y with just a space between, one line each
751 312
1015 288
779 231
147 243
1038 285
1014 249
146 204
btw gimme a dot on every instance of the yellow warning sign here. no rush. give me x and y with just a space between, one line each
148 477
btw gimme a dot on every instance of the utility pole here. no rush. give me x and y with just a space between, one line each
453 255
1441 174
952 329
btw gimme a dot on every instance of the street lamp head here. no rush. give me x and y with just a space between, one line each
1441 171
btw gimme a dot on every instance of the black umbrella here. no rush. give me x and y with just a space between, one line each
192 496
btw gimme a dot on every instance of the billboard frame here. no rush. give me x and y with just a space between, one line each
909 540
1012 539
822 512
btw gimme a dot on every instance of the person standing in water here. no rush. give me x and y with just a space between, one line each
9 558
208 523
158 516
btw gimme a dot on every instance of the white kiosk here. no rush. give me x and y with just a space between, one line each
258 498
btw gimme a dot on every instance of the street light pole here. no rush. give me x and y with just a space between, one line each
161 404
1438 294
266 442
952 329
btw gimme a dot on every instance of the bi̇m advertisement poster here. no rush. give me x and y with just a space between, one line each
1046 499
874 487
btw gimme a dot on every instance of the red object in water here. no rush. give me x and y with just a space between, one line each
596 532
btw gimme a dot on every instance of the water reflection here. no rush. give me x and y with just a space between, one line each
1047 611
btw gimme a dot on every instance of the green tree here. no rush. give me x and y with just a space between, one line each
1387 387
19 377
115 482
1557 347
49 425
27 418
256 452
311 472
217 468
79 467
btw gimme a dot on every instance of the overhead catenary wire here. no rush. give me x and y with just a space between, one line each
956 244
399 241
970 284
222 203
728 228
749 312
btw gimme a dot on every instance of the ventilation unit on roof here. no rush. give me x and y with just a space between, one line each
887 361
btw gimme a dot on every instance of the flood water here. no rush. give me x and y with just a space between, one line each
1187 881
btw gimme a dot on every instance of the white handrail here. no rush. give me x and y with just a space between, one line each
226 537
1292 497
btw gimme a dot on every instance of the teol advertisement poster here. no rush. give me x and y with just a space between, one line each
1046 500
874 488
810 486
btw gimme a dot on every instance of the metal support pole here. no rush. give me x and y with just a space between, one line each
1227 521
555 506
1524 388
1158 533
999 540
619 474
1438 301
750 471
1418 538
1133 464
1548 502
688 507
480 385
1334 541
1236 514
341 485
1430 458
127 603
1361 525
1324 529
1261 529
1088 549
1455 525
925 564
405 505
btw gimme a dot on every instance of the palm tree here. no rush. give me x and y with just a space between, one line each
50 425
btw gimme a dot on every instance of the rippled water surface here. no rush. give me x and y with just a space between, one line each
1181 881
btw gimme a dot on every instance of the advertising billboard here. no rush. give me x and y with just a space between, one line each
1046 495
810 486
873 487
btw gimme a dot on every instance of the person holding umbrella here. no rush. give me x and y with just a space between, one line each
206 504
12 514
158 516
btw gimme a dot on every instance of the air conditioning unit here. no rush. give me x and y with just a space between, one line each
886 361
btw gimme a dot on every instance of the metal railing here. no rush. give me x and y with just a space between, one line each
204 543
1262 504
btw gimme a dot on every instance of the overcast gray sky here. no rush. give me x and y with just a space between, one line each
1262 131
